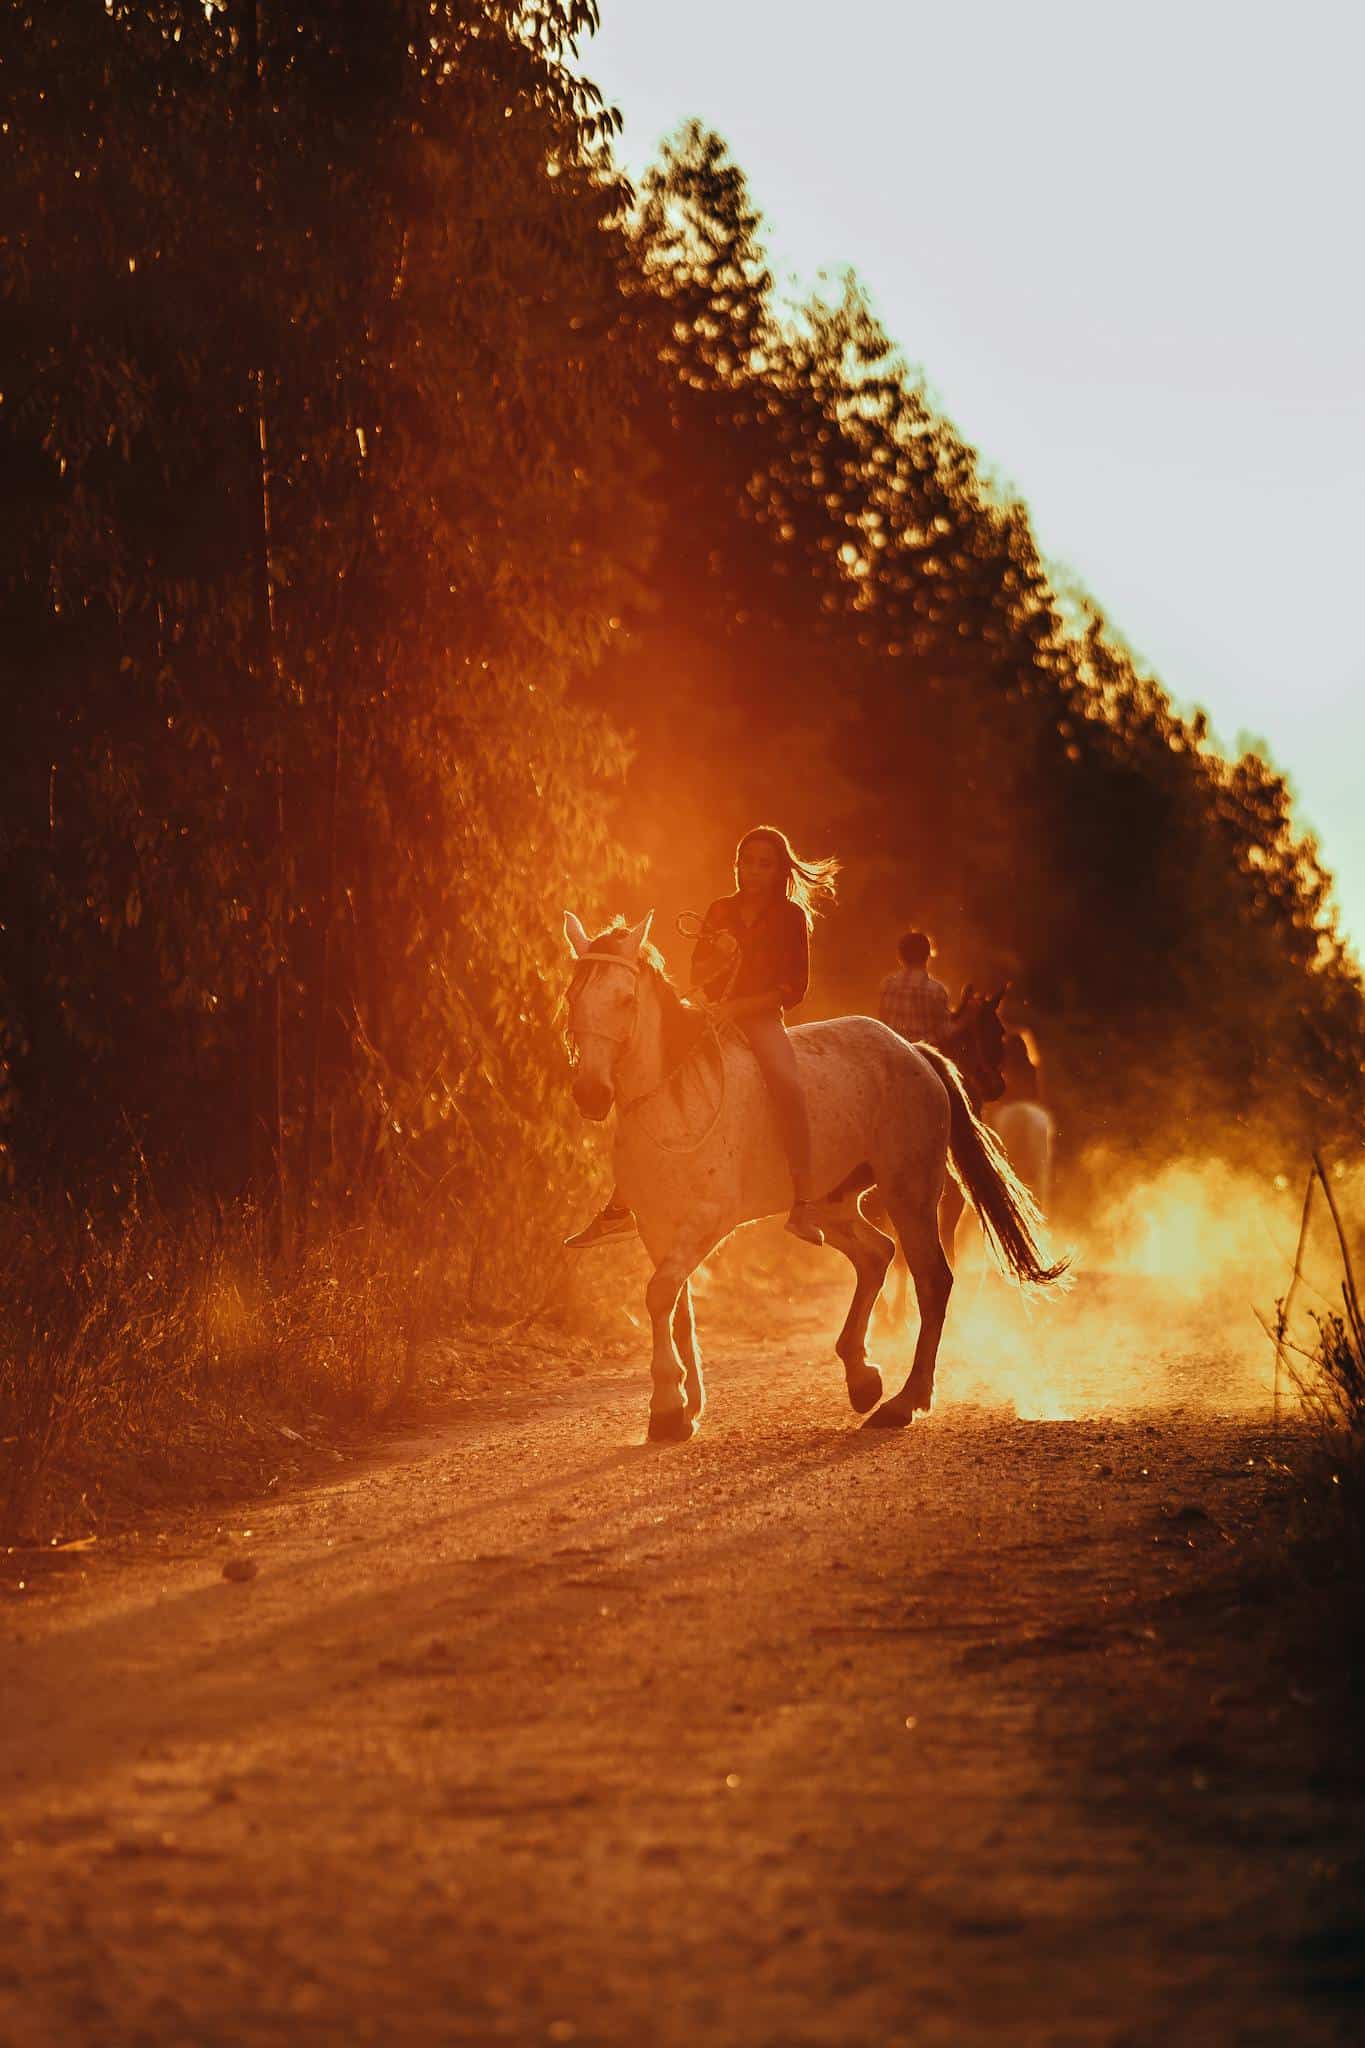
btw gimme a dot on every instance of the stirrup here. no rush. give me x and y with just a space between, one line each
803 1225
604 1226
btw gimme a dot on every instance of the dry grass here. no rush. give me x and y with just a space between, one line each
151 1355
1330 1377
1332 1386
1325 1553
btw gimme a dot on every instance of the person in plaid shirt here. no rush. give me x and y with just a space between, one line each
912 1002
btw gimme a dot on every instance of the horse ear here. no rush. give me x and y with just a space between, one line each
639 934
998 998
968 995
575 937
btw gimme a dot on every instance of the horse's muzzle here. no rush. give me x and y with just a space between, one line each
593 1097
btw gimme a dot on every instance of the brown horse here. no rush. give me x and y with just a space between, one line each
975 1043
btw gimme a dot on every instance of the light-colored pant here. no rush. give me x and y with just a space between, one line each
776 1056
767 1038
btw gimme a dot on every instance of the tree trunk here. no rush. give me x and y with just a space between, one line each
268 1066
322 976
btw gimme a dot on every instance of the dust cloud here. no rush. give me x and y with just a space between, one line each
1174 1271
1173 1275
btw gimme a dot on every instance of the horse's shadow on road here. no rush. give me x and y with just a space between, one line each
227 1665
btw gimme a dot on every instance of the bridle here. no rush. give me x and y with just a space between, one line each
631 967
624 1040
962 1045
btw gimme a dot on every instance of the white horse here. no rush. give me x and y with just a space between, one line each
698 1153
1029 1136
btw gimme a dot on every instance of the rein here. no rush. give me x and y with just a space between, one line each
710 1031
695 1144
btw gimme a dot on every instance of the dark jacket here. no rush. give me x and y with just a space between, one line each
774 952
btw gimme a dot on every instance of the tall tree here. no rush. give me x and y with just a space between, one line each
851 628
410 272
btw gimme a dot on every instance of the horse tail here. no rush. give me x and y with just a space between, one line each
1010 1217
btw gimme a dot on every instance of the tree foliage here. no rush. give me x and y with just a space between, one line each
374 479
389 263
856 632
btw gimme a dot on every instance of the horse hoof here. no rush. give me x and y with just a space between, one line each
865 1390
674 1426
889 1416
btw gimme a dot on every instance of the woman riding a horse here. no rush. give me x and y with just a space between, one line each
704 1144
752 965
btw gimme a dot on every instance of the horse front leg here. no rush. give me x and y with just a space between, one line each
672 1417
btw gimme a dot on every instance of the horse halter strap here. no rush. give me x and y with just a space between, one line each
610 960
632 967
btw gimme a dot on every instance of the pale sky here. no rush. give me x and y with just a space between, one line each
1123 245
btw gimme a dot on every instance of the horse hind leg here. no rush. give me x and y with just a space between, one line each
916 1224
869 1251
952 1204
685 1338
888 1310
900 1283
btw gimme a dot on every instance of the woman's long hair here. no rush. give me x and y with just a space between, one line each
808 882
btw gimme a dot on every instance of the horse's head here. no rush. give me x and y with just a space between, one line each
603 1007
975 1042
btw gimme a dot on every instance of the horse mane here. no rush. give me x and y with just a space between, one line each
962 1042
682 1026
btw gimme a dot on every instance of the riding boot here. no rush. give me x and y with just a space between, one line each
606 1224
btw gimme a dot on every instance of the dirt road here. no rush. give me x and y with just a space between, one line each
799 1734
